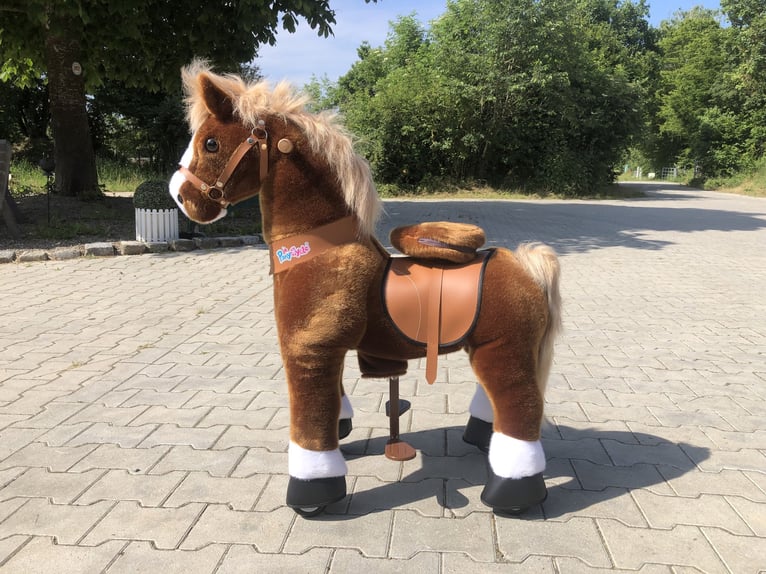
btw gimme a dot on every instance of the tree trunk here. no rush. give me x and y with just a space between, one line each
76 173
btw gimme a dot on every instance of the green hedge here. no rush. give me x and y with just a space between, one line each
153 194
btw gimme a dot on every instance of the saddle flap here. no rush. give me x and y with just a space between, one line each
409 293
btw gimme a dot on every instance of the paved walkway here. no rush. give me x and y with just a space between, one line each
143 420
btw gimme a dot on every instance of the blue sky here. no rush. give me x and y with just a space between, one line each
296 57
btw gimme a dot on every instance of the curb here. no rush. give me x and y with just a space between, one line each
111 249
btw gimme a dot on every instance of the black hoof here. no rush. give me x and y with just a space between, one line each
309 497
513 496
344 428
478 433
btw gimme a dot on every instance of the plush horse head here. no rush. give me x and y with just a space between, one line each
251 139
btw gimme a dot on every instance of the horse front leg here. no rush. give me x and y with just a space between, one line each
506 415
316 466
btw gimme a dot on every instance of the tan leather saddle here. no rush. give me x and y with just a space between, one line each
433 298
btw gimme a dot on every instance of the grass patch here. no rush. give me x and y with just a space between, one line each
752 183
481 191
51 221
115 177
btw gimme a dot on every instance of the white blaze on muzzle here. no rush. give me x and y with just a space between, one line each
179 179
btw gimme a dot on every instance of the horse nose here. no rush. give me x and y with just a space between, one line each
179 198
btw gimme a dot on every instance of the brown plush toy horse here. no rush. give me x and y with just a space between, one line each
333 280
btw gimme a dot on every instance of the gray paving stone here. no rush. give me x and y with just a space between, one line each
726 482
655 402
98 249
148 490
628 454
574 566
455 563
31 255
577 538
198 438
616 503
64 253
111 456
251 419
215 462
43 555
413 533
182 245
142 557
589 449
739 553
753 513
157 246
7 255
130 247
238 493
261 461
94 413
682 546
345 561
245 559
57 459
665 512
59 487
370 534
66 523
371 494
266 531
103 433
163 527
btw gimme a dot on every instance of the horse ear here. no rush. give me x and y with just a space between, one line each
216 100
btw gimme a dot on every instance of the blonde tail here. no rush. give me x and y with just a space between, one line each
541 262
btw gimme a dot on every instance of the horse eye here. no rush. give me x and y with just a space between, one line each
211 145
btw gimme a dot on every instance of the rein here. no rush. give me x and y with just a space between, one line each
216 191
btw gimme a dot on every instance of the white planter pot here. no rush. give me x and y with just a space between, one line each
156 225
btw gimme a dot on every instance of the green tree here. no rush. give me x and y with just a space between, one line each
696 110
748 49
78 44
509 92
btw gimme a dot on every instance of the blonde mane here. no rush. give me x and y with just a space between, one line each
326 135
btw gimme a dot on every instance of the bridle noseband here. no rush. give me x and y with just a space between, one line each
216 191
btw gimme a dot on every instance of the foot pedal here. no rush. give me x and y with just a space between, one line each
399 450
404 406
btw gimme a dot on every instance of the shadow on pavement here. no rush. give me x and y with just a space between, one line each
575 226
605 468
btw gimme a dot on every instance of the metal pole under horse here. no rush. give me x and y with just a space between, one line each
396 449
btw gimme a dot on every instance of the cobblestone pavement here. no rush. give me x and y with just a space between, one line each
143 419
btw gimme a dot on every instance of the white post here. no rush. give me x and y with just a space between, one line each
156 224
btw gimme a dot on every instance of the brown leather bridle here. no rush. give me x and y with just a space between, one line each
216 192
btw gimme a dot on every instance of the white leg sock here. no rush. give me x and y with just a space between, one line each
346 410
513 458
308 464
480 406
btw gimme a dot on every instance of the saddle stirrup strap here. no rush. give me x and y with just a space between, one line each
434 324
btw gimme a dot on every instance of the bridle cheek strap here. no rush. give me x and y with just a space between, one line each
216 192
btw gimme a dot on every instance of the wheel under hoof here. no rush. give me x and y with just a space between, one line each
478 433
513 496
309 498
344 428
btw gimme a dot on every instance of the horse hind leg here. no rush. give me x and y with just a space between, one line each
506 414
